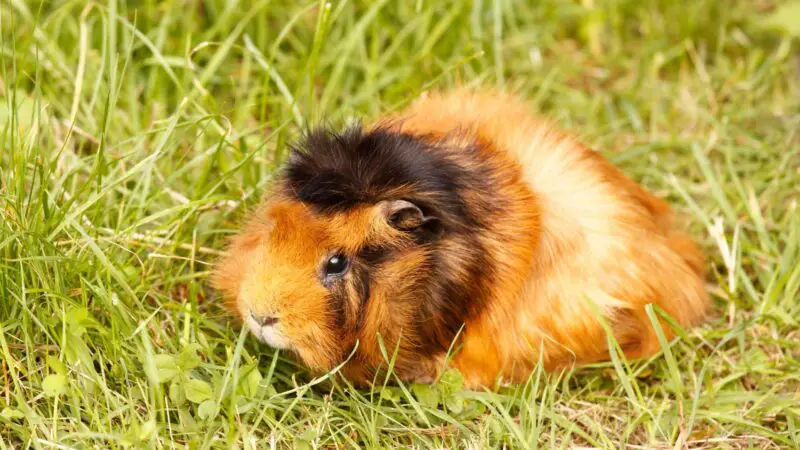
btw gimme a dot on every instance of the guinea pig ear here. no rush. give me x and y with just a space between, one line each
406 216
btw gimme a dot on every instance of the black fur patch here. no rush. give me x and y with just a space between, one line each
337 171
338 302
361 281
444 316
374 255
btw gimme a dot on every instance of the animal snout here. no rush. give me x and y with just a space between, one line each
265 320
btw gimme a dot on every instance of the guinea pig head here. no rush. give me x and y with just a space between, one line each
317 284
366 244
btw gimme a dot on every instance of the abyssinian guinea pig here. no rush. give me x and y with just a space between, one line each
461 232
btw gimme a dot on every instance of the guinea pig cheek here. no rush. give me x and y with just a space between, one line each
302 310
316 340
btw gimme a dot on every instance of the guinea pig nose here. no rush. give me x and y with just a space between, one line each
264 321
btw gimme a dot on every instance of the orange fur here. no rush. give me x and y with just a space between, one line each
576 231
615 243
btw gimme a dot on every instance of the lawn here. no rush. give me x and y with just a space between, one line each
135 135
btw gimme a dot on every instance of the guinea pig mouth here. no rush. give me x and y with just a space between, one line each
268 334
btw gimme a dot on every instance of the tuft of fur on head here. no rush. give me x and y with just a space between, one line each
335 171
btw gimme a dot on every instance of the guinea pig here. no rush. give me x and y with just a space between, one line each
461 232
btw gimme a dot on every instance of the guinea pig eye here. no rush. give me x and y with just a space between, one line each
336 265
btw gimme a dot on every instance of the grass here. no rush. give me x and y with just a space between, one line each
134 135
